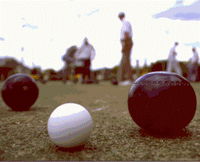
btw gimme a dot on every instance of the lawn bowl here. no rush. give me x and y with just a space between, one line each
19 92
69 125
162 102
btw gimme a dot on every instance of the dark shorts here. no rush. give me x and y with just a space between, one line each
82 69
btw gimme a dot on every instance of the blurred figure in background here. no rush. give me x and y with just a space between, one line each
125 72
193 66
84 56
173 64
69 59
137 69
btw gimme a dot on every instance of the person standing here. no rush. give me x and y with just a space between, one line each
84 55
173 64
68 59
193 65
125 72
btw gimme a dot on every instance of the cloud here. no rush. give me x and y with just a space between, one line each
193 44
89 13
92 12
189 12
29 26
2 39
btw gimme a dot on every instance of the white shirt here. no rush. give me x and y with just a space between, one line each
126 27
195 58
85 52
172 54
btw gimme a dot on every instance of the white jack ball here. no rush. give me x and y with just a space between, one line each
69 125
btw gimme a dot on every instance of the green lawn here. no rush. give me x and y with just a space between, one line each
23 135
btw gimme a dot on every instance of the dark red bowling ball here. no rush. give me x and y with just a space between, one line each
19 92
162 102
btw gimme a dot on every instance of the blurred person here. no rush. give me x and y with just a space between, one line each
173 64
69 59
125 72
137 68
37 74
193 65
84 56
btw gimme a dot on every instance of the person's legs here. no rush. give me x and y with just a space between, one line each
169 66
84 74
64 74
177 68
87 65
121 70
86 70
193 73
128 60
125 65
196 72
129 69
189 74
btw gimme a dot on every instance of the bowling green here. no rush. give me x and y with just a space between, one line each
23 135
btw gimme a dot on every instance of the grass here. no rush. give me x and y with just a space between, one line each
23 135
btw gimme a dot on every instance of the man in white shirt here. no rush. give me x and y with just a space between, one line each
193 65
172 63
84 55
125 72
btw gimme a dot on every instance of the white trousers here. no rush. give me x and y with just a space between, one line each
173 65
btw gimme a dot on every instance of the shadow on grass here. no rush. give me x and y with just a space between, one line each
32 109
75 149
184 133
6 111
37 108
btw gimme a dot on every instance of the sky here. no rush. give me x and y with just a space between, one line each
38 32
